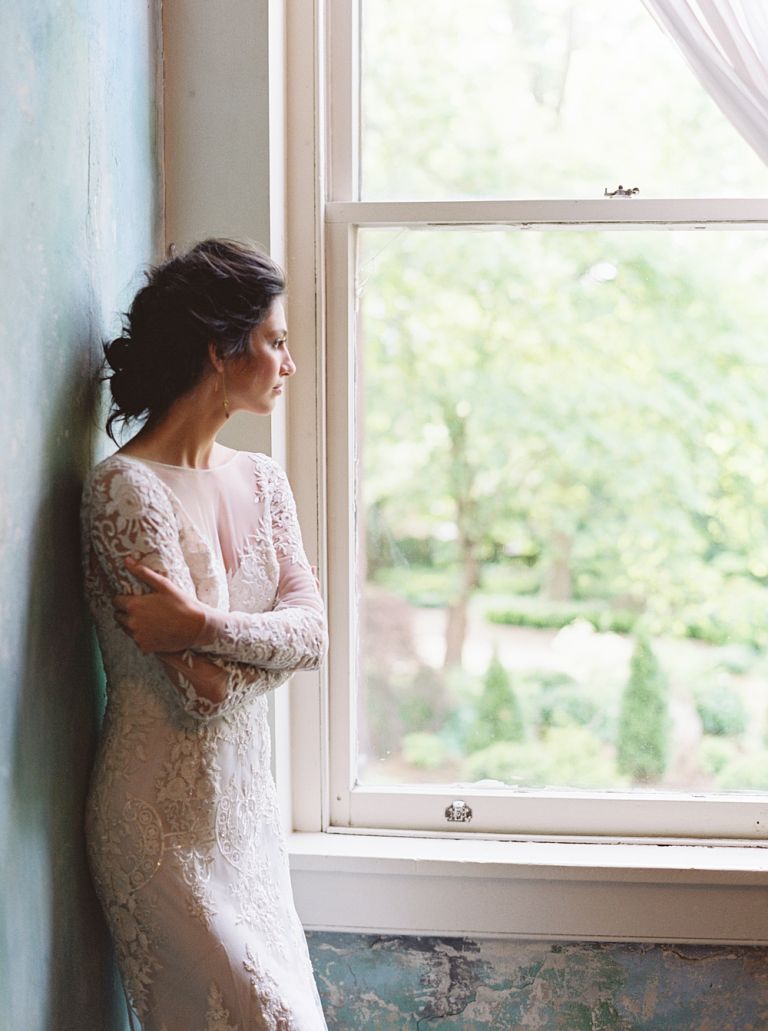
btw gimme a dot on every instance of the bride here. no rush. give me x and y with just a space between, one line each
203 601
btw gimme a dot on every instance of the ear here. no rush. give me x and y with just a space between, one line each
215 357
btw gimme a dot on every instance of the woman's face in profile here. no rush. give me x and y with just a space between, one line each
255 380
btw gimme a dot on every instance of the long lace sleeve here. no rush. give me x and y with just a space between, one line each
127 512
292 635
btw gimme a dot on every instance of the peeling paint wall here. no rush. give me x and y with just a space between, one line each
79 183
370 983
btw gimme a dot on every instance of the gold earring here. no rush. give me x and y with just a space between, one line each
225 401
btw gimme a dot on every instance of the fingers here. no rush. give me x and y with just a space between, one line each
129 624
126 621
146 575
125 607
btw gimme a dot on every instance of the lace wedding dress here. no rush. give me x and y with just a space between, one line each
182 822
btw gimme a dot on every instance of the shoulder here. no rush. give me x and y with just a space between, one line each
125 485
268 472
272 488
119 470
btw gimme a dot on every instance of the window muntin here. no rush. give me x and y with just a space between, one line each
525 98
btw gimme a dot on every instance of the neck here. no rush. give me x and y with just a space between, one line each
185 434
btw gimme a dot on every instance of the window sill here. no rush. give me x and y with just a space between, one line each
531 889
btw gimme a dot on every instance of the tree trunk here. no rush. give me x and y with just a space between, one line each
558 584
462 480
457 621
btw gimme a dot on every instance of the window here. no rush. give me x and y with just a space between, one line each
544 439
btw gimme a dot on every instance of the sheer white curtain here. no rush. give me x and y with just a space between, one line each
726 44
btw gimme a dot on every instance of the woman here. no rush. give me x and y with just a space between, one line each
203 601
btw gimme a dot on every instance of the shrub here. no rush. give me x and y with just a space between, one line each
498 716
422 586
561 701
716 753
745 773
737 658
643 736
424 751
720 709
554 616
397 701
422 705
565 757
510 763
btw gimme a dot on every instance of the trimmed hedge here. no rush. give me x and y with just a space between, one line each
554 616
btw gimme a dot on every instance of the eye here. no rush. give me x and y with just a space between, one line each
279 342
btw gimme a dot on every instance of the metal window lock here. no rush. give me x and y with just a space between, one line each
458 812
621 191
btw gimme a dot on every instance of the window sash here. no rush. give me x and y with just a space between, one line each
603 213
561 814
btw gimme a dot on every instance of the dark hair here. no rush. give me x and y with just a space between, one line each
217 292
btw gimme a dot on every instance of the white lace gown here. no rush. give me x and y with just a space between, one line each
182 823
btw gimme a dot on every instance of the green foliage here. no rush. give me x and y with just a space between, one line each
424 586
425 751
745 773
643 735
432 127
498 716
716 753
397 702
737 659
721 710
547 614
547 455
566 757
588 405
562 702
422 705
732 614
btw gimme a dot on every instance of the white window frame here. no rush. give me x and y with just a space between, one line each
603 865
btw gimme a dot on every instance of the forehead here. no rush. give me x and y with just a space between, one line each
274 324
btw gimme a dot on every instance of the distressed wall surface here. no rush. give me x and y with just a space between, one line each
78 178
370 983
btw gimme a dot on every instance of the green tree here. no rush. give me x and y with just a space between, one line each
498 716
643 740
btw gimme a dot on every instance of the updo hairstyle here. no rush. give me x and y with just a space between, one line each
216 293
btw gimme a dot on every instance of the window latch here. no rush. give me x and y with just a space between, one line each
458 812
621 191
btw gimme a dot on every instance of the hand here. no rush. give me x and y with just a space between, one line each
166 620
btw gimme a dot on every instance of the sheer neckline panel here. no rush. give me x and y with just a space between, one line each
179 468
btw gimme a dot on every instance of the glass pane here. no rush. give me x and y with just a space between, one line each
563 522
537 98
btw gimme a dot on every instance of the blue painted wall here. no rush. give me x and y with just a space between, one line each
79 184
372 983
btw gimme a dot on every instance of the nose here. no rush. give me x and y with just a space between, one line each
288 366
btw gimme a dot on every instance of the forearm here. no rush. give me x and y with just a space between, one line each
213 687
293 637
